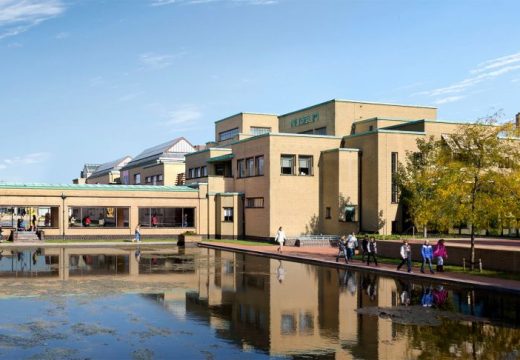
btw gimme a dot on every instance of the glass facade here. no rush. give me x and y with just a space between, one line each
102 217
167 217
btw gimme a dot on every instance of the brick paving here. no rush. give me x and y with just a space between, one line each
327 256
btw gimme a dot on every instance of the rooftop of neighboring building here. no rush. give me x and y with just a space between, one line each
114 165
170 151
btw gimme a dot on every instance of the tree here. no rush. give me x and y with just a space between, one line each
470 176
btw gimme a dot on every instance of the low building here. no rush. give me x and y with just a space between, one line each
108 173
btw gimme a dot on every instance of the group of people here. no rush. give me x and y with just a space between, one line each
347 247
429 253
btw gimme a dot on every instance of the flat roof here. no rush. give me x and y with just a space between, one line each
244 113
356 102
102 187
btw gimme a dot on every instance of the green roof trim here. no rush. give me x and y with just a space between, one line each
384 119
383 131
341 150
94 187
221 158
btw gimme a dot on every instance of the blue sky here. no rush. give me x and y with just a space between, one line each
91 81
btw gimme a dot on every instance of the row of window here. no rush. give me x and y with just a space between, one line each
253 166
197 172
318 131
348 213
296 165
228 134
154 179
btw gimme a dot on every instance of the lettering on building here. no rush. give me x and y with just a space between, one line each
307 119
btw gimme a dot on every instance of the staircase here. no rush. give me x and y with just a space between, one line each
26 237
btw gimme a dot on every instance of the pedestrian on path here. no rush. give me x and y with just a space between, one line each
427 255
440 253
406 256
280 239
137 233
364 248
351 246
372 251
342 249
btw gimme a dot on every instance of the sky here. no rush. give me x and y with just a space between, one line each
90 81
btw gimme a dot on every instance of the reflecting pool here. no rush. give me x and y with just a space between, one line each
194 303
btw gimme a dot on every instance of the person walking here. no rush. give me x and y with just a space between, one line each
364 248
34 222
280 239
406 256
137 233
440 254
342 249
351 246
372 251
427 255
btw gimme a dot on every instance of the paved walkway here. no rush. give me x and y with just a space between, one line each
327 256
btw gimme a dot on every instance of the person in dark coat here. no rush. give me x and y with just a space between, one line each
342 249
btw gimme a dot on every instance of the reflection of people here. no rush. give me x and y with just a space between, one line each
155 220
342 249
427 297
280 239
34 222
137 233
47 221
280 272
138 254
185 223
440 295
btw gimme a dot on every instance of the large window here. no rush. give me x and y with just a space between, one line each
255 130
349 213
228 214
228 134
395 187
287 162
255 202
250 164
27 217
169 217
241 168
99 217
259 163
304 165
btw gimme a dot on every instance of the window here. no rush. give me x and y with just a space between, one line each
259 160
395 187
228 134
160 177
204 171
250 164
147 180
255 202
305 165
241 168
260 130
228 214
320 131
349 213
287 164
191 173
327 212
167 217
371 128
154 179
116 217
197 172
220 169
137 178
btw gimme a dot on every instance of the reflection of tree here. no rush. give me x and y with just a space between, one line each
462 340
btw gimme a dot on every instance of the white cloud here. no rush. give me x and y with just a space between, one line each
194 2
62 35
448 99
18 16
158 61
28 159
486 71
185 115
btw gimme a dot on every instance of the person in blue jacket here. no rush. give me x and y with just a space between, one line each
427 255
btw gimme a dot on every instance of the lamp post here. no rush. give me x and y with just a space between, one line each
63 197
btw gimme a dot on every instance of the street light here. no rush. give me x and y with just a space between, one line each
63 197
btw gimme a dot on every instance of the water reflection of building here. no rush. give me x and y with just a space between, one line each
311 310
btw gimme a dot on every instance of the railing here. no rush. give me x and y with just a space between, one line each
313 240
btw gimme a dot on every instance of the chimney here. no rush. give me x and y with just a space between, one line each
518 120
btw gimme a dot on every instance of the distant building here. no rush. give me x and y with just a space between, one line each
159 165
88 169
108 173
